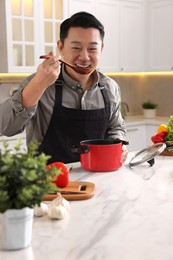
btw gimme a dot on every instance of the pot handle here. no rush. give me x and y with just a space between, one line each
124 142
81 149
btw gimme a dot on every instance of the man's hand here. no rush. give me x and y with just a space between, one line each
49 70
47 73
124 153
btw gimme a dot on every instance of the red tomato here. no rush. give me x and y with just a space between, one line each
62 179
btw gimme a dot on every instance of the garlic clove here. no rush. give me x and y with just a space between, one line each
57 212
65 204
60 201
40 210
57 201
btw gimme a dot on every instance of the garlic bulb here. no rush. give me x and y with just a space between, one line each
59 208
57 212
65 204
56 201
40 210
60 201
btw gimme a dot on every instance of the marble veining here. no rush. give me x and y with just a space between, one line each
130 217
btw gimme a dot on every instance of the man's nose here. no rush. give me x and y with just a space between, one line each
84 54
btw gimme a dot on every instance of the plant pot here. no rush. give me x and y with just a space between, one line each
149 113
16 229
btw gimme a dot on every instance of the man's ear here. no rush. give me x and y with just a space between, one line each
60 46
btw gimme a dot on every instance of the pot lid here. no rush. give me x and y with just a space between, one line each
147 154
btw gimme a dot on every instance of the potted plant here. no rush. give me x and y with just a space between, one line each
149 109
24 180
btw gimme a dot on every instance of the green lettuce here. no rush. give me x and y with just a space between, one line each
169 137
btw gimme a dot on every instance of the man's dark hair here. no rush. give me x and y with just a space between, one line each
81 19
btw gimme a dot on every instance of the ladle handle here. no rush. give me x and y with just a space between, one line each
49 56
66 63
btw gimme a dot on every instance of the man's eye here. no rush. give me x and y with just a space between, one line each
93 49
76 48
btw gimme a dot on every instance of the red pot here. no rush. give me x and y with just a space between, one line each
100 155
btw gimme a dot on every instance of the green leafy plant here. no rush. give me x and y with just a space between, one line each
24 178
149 105
169 137
170 129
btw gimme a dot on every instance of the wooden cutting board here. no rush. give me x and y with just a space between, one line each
166 153
74 191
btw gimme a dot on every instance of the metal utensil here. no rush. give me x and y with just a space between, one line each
75 67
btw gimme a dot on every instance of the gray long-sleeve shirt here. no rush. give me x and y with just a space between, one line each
14 118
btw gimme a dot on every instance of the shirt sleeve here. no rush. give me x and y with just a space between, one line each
116 127
13 116
19 110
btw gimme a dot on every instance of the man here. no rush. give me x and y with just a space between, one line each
60 107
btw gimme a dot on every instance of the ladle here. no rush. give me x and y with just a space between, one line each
75 67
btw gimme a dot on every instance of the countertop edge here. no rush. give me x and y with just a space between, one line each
18 77
140 119
13 77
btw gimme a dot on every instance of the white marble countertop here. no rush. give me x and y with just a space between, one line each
129 218
140 119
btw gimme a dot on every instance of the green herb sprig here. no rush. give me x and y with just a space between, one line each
24 178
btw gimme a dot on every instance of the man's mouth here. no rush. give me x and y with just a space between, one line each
83 66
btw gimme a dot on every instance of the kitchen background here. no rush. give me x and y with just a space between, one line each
138 38
135 89
138 44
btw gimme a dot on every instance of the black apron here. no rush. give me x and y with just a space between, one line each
69 126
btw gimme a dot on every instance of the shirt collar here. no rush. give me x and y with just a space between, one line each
73 84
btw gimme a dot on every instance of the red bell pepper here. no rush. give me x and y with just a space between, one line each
62 179
159 138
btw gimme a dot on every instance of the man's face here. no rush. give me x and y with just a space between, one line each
82 47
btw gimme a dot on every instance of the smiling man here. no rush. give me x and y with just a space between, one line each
60 107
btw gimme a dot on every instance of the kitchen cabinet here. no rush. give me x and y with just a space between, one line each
107 11
131 34
138 32
79 5
136 137
28 29
12 141
160 42
124 27
27 33
140 131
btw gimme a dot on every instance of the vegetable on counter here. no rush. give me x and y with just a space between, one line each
170 129
165 135
62 179
162 128
159 138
